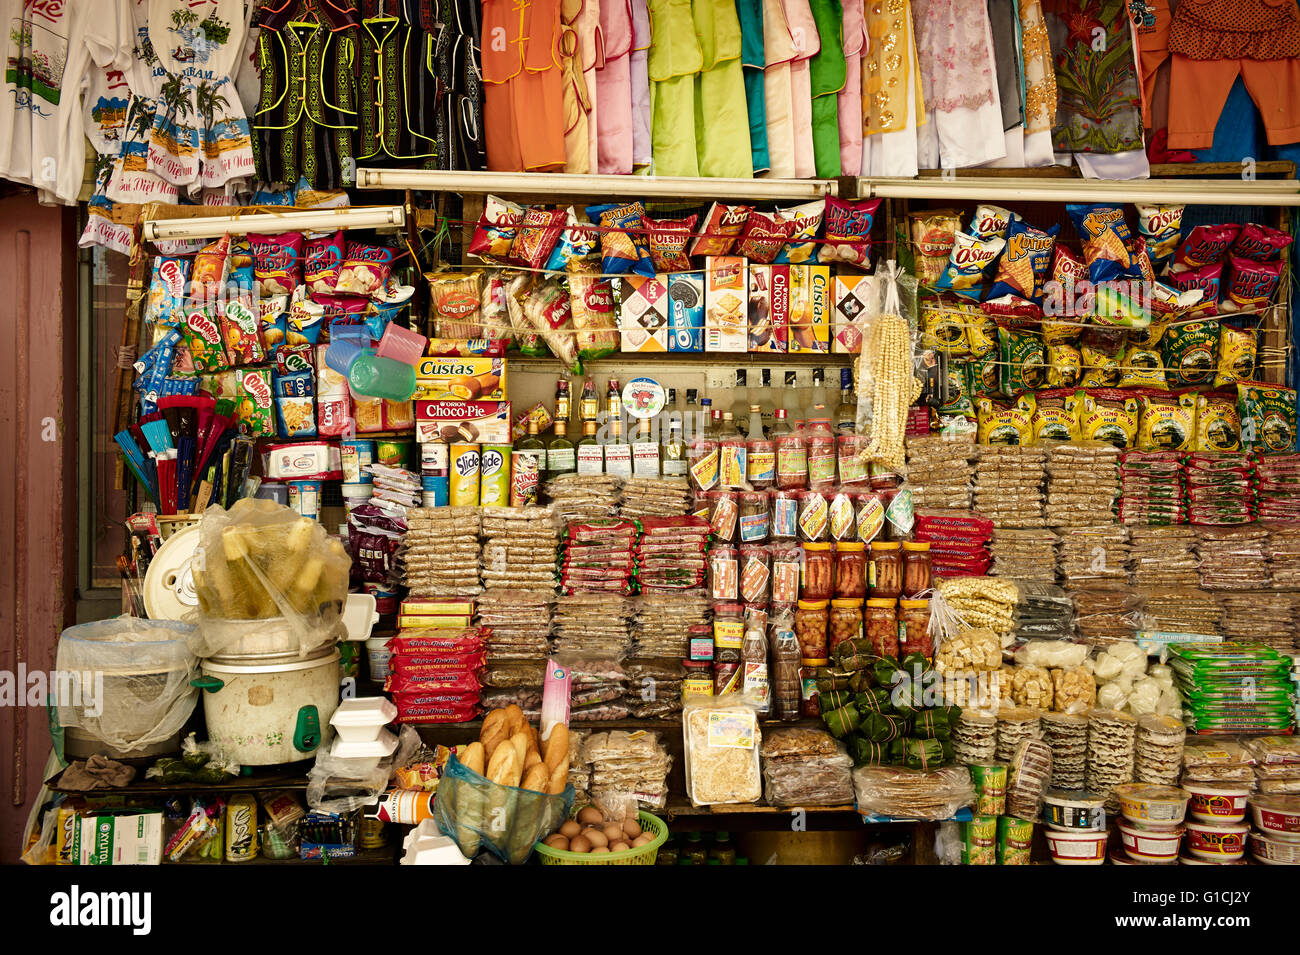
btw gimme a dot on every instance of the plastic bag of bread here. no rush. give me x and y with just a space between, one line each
548 310
722 741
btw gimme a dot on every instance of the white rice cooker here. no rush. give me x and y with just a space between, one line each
271 709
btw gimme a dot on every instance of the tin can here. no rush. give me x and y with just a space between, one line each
356 456
304 497
494 475
241 828
386 601
979 841
372 834
435 458
990 781
407 807
525 478
465 469
436 490
392 452
1015 840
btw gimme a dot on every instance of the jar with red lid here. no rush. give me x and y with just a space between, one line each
850 569
918 574
814 516
880 622
724 573
810 622
698 681
883 478
914 628
853 470
728 626
845 622
785 515
818 572
885 572
820 441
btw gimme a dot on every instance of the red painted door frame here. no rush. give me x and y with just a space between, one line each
38 467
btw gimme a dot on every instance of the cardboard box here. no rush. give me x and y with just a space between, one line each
119 838
726 300
447 378
854 297
643 313
769 308
810 309
487 422
686 312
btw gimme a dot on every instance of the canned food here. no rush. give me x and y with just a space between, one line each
494 475
304 497
392 452
465 469
241 828
525 477
356 456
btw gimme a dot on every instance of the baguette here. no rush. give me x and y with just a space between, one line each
495 719
531 759
557 745
559 777
537 778
474 757
514 719
519 741
514 774
500 764
494 739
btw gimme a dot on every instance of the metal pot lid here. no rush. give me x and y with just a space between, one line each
273 663
168 584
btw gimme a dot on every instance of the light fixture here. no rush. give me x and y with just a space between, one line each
566 184
308 220
1212 192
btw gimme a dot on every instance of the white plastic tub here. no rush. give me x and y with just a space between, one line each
1151 845
362 720
379 654
1217 802
1077 847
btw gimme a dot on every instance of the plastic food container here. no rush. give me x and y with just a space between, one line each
379 654
1271 851
362 720
1217 802
1185 859
1276 816
1076 848
1074 811
1151 845
1152 805
1222 843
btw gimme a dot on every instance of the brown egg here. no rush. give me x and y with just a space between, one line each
570 829
599 849
631 828
613 832
642 840
557 841
580 844
596 838
619 847
590 817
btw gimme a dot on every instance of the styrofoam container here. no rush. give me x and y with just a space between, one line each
1222 843
362 720
375 749
359 616
1277 816
425 845
1076 848
1217 802
1150 845
1273 851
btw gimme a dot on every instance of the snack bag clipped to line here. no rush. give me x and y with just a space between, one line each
622 247
848 232
998 423
805 224
539 232
1206 245
1105 238
668 239
1162 227
1022 270
277 262
579 239
496 230
1260 243
968 265
1236 356
720 229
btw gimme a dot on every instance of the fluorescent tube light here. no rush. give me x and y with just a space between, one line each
311 220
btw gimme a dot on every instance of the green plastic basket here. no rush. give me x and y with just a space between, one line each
642 856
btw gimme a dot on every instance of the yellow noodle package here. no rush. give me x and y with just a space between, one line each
1108 415
1218 425
1064 366
943 326
1141 368
1236 356
1168 424
1100 367
1005 424
1053 422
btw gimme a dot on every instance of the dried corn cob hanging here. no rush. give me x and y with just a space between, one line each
886 365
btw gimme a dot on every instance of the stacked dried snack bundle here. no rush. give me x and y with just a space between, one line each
518 624
1277 487
654 687
394 485
1024 554
1112 742
1254 617
598 686
1277 763
1284 555
1159 749
599 556
1151 488
1220 488
1009 485
805 767
1066 734
670 554
939 470
1234 558
1043 612
576 497
652 497
579 767
520 545
1015 725
1106 612
958 541
1082 484
440 554
974 738
1163 556
1090 554
1217 761
636 763
665 624
1180 610
592 622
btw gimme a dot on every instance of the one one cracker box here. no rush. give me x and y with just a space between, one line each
643 313
726 300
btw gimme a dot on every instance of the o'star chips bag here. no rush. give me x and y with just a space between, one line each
991 221
969 264
719 230
1206 245
1162 227
1260 243
848 231
805 223
1022 270
578 239
1105 238
496 230
622 247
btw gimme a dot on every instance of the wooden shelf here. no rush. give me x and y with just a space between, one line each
259 782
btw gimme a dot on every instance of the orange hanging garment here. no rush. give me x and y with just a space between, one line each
523 89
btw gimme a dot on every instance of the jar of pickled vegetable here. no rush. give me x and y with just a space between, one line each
880 621
818 570
853 470
822 455
814 516
918 575
755 517
914 628
885 572
845 621
810 621
850 569
785 515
